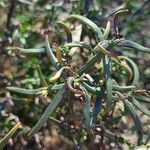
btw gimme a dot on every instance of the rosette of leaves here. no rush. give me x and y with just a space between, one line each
102 84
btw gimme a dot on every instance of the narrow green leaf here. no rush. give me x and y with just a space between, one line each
67 30
88 22
113 137
116 20
58 73
101 48
133 45
118 139
81 45
97 107
27 51
50 54
49 110
90 63
57 86
123 88
91 89
143 109
4 141
135 70
130 110
58 54
101 51
114 10
41 76
107 30
143 99
26 91
86 110
108 78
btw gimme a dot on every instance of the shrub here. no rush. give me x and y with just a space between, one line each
106 85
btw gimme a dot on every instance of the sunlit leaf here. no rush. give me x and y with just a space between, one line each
58 53
67 30
27 51
50 54
107 30
58 74
9 135
88 22
26 91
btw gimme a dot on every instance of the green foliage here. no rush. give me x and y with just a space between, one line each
86 81
78 89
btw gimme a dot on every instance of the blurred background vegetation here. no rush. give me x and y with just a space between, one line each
24 23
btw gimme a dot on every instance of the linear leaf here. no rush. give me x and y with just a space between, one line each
118 139
135 70
41 76
90 63
58 74
143 109
123 88
58 54
107 30
97 108
91 89
4 141
142 99
26 91
88 22
133 45
49 110
108 78
50 54
67 30
77 44
130 109
86 109
116 21
113 137
57 86
114 10
27 51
